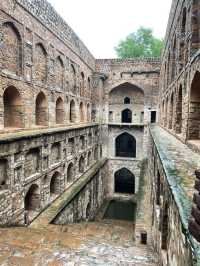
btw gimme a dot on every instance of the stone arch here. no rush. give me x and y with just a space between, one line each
88 113
96 154
179 107
59 72
41 113
32 198
88 86
195 26
70 172
55 153
166 113
82 112
194 108
171 111
3 174
82 84
89 158
173 63
82 142
32 162
72 112
12 53
119 84
125 145
73 76
40 64
55 184
71 146
59 111
13 108
165 227
81 164
126 116
124 181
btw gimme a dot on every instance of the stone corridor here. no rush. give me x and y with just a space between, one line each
101 243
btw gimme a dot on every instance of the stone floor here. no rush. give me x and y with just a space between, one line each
103 243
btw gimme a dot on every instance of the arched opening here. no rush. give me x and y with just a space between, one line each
70 173
171 111
96 154
89 158
40 63
41 110
59 72
127 116
89 87
173 63
13 109
55 184
179 111
88 113
127 100
194 110
125 146
81 165
82 142
158 189
124 181
72 117
3 174
183 35
55 153
32 162
195 26
165 227
70 146
73 78
81 110
12 44
82 83
32 199
59 111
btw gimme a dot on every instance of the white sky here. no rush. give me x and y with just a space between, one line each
102 24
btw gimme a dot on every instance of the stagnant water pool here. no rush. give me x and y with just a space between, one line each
121 210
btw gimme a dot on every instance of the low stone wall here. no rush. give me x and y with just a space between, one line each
172 180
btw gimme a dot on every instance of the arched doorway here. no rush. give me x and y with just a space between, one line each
88 112
59 111
81 110
55 184
81 165
125 146
124 181
32 199
72 117
194 111
126 116
41 110
70 172
13 113
179 111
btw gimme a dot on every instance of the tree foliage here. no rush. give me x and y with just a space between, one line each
141 43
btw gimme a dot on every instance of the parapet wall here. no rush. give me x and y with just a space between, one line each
47 15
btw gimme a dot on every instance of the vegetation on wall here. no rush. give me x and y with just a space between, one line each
141 43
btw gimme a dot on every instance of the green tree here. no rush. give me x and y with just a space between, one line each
141 43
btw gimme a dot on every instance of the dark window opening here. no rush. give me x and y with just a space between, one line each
127 100
125 146
126 116
165 228
153 116
124 182
158 189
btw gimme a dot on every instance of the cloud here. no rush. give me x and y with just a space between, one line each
101 24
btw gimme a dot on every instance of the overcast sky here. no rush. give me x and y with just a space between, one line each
102 24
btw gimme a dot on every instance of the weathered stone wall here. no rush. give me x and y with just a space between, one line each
170 240
85 205
46 161
42 68
179 78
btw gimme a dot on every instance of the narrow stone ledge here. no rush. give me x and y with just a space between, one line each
48 215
